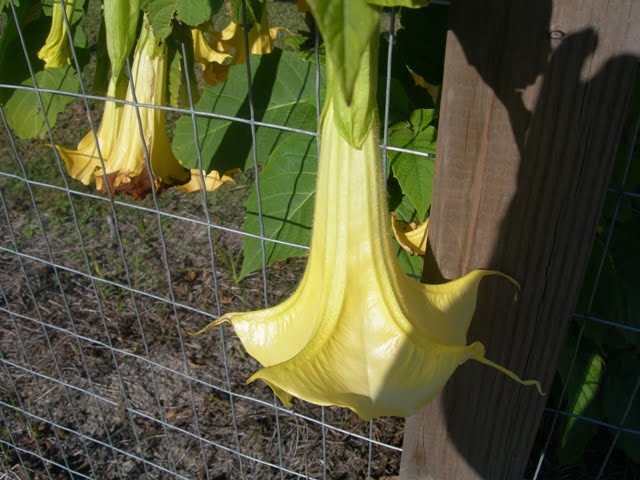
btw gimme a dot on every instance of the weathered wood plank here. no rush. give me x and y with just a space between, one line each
534 99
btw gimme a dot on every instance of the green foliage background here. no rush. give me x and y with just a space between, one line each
599 367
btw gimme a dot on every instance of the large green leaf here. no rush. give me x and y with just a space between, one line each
35 27
619 384
76 15
420 45
192 12
23 110
255 10
347 27
283 94
287 188
582 388
415 172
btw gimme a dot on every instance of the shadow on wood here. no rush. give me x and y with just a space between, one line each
534 99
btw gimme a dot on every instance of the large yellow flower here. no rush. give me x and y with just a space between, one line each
56 52
121 19
120 135
216 51
126 168
357 332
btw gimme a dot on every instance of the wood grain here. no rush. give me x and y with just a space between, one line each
534 99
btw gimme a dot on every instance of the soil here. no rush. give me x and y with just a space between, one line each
98 355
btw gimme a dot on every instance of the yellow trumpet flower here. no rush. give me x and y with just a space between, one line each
126 169
120 133
216 51
121 18
56 52
357 332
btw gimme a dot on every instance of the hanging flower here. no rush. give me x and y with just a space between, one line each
56 52
357 332
216 51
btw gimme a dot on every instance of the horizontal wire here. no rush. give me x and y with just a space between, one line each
621 326
189 308
167 108
151 210
44 459
147 417
199 381
91 439
200 113
595 421
108 282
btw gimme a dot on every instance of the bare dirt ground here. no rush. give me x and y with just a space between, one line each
94 349
94 343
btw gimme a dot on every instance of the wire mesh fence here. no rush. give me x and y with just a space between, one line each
98 294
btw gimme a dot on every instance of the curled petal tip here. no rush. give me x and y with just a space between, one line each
225 318
412 236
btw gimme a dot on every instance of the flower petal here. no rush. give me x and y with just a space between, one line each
412 237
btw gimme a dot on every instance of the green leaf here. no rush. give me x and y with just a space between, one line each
196 12
414 172
287 187
411 264
192 12
398 101
35 28
161 14
347 27
420 46
582 389
78 9
255 10
178 93
23 109
400 3
283 94
619 384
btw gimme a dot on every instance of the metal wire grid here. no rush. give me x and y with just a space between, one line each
106 404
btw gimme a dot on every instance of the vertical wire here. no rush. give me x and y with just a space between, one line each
216 293
385 143
59 282
23 348
370 452
619 195
21 405
387 95
30 429
254 152
116 229
635 390
632 399
165 261
316 58
14 443
81 243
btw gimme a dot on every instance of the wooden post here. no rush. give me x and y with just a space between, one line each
534 98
